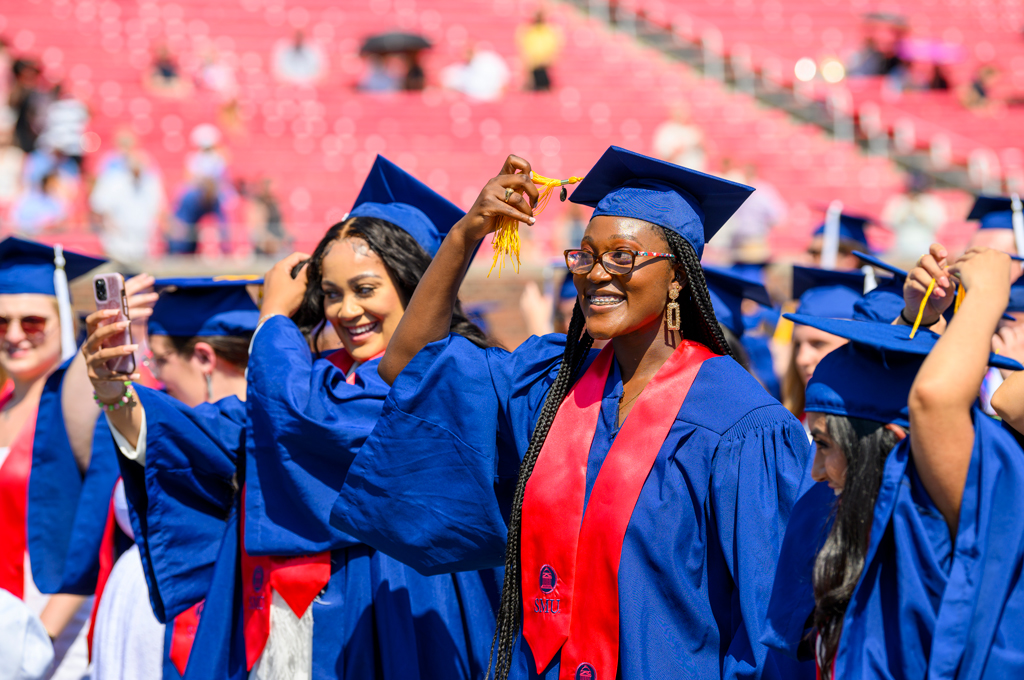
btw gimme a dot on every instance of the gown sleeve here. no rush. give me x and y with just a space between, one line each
67 510
756 475
180 501
307 423
792 599
433 484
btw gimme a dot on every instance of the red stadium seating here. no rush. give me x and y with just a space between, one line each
317 143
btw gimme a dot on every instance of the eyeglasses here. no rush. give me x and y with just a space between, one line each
615 262
34 327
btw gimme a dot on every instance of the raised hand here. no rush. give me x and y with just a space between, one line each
101 346
283 294
495 200
931 266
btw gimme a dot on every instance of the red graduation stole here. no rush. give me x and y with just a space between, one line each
14 475
570 560
184 635
106 559
297 579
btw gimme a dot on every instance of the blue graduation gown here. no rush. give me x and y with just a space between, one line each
67 510
377 617
433 486
180 501
930 607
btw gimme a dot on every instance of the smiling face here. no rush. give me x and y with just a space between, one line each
361 301
829 460
30 348
620 305
809 347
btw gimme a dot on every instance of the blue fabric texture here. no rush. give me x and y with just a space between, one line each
923 609
433 486
67 509
204 307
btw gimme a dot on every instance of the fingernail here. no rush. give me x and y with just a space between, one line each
533 220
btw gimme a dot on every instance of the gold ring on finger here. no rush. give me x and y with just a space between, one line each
508 193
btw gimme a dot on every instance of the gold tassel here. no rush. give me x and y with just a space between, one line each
506 237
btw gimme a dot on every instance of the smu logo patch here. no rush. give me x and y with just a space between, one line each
548 579
257 579
586 672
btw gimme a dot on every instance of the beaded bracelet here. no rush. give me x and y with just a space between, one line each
126 399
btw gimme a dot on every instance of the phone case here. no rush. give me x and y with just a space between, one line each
108 293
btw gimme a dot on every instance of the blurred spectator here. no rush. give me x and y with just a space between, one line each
539 45
45 161
217 75
378 76
264 219
11 160
749 227
415 78
867 61
165 75
195 203
575 225
27 102
125 143
298 61
978 94
679 141
939 79
39 208
206 161
915 217
65 122
482 76
6 62
128 200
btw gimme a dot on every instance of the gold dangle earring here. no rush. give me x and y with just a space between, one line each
673 318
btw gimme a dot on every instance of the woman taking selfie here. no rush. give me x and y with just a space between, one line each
639 494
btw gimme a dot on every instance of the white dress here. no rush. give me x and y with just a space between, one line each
129 642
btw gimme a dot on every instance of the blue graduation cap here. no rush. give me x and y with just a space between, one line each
28 267
627 184
394 195
851 228
993 212
204 306
568 288
870 377
884 303
728 289
827 293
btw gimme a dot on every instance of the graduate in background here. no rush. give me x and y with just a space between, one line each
851 237
876 586
821 293
128 640
376 617
640 516
995 217
36 334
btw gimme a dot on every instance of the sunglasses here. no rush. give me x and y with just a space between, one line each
34 327
615 262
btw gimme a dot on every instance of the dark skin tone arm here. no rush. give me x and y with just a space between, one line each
428 316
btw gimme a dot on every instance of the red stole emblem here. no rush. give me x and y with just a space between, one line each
570 560
14 475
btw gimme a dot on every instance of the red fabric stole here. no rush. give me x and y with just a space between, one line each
297 579
184 635
14 475
570 560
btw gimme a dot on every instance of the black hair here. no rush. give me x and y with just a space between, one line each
837 568
698 323
403 257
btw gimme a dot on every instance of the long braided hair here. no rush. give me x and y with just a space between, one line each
698 323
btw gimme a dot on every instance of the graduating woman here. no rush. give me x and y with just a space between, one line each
36 333
916 573
296 597
643 492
